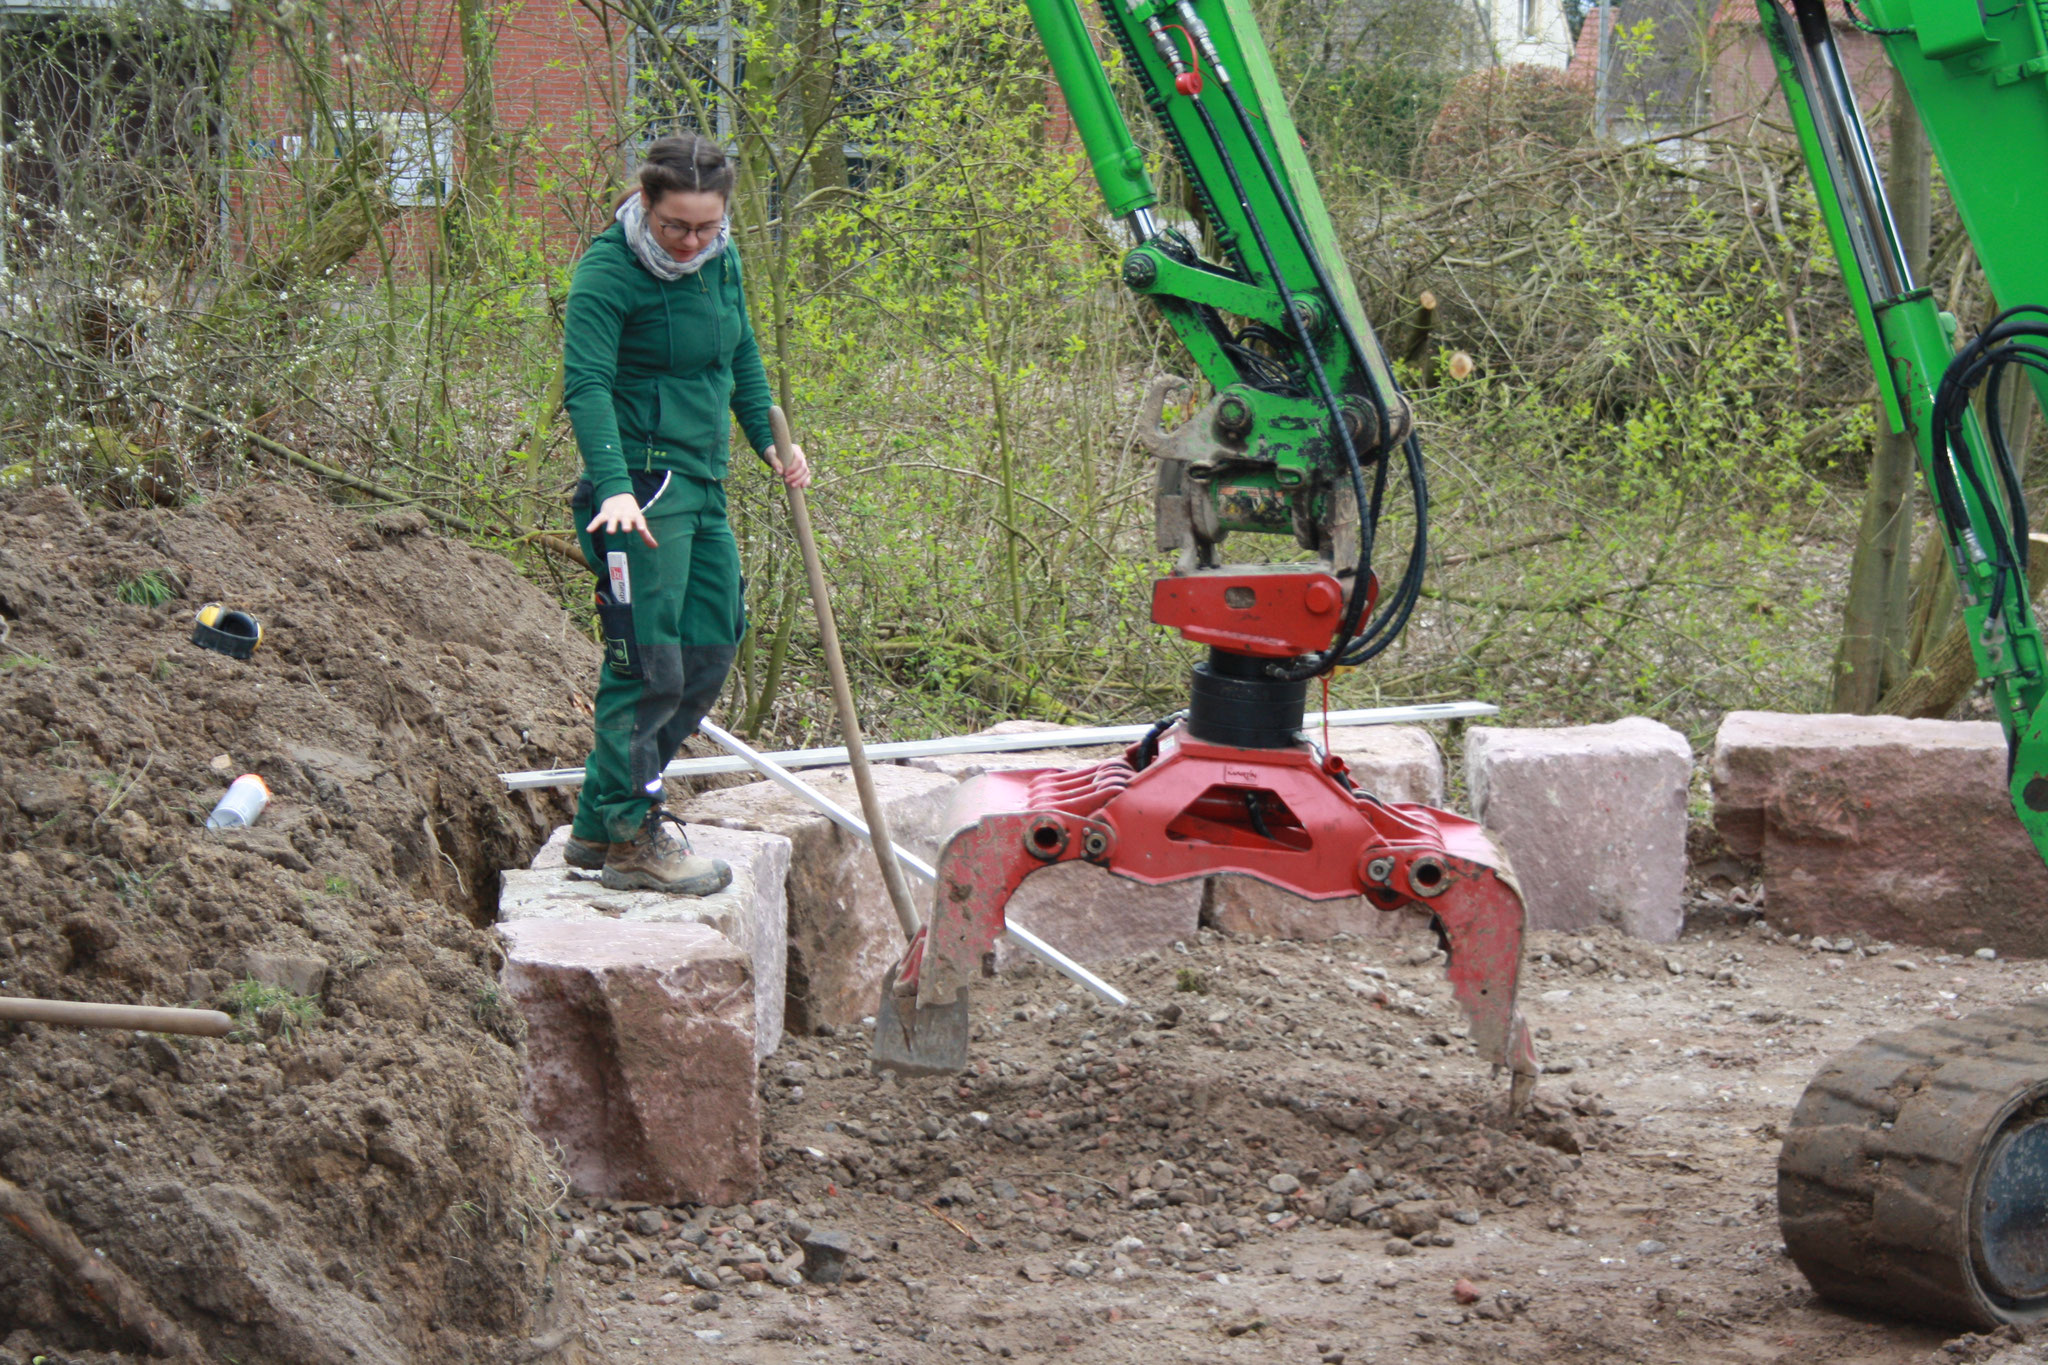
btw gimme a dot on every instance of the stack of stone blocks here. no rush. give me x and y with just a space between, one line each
648 1014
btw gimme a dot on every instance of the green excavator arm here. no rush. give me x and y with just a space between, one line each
1980 86
1910 1179
1302 412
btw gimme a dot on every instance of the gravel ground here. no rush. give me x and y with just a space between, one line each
1288 1152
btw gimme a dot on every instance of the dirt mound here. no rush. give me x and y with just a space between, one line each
347 1179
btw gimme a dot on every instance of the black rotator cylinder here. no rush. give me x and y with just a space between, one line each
1235 703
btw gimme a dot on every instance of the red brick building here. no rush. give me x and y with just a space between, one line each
569 95
1680 71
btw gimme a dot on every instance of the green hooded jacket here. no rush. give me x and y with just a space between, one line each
651 369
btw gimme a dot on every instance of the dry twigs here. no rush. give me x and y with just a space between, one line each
56 353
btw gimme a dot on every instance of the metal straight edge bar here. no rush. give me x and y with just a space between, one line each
853 824
1003 744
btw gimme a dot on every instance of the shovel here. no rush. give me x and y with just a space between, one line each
908 1040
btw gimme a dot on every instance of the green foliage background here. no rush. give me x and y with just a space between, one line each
1643 488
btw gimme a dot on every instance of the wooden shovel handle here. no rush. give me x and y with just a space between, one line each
842 697
149 1018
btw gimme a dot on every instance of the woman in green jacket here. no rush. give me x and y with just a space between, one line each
658 356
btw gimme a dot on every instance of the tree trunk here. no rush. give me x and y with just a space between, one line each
1947 674
339 222
827 168
473 200
1877 619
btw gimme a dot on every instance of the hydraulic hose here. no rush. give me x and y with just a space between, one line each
2014 337
1354 606
1353 646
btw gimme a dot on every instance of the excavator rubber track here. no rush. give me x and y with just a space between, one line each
1914 1178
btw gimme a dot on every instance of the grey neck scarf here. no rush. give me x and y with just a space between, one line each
632 216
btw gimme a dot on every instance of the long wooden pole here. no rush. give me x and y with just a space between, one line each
842 697
148 1018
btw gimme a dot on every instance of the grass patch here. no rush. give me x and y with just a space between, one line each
260 1007
1191 980
147 589
495 1011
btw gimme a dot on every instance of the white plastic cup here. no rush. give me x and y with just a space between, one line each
245 799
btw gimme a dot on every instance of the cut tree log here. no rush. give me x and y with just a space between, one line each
1946 676
344 211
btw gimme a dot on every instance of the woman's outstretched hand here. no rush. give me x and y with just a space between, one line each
795 471
621 513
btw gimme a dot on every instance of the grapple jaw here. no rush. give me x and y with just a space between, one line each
1287 817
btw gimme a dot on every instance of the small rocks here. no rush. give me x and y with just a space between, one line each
705 1302
1905 964
1284 1184
825 1256
1987 954
1651 1247
1412 1218
1464 1291
1078 1268
1397 1247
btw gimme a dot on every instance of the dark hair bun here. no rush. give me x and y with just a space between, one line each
688 163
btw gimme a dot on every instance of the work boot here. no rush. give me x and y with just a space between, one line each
658 858
587 854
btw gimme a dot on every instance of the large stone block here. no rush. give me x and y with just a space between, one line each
1900 829
1592 818
1092 916
639 1056
963 766
843 933
1249 908
1394 763
753 912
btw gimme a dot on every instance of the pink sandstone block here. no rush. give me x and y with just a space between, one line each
1899 829
842 932
1592 820
640 1057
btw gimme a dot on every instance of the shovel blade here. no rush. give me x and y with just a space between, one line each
918 1042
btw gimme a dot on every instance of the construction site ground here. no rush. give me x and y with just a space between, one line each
347 1178
1630 1216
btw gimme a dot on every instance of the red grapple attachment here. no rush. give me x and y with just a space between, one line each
1279 815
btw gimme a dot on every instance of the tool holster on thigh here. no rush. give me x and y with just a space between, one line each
614 592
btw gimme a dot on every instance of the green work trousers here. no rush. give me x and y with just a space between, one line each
689 615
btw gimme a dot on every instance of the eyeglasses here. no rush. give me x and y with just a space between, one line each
683 232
